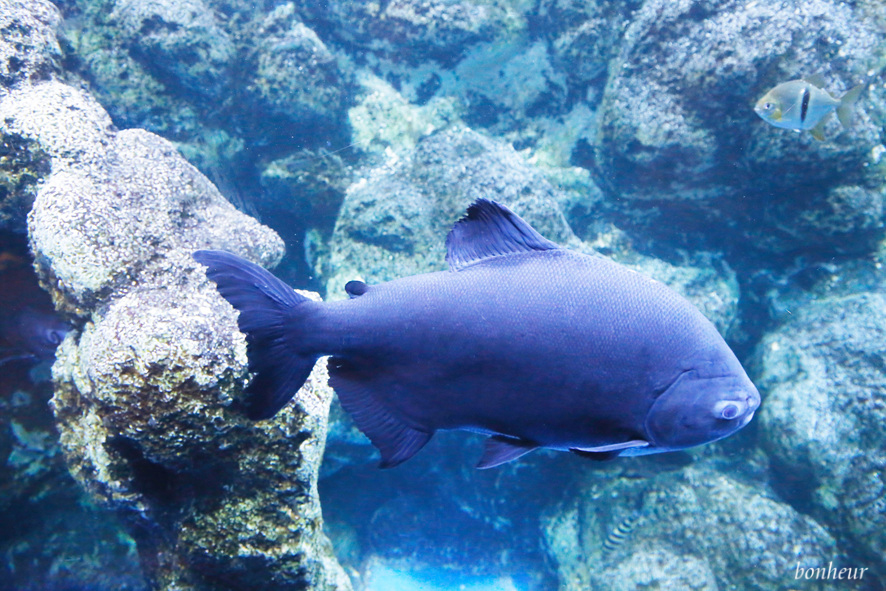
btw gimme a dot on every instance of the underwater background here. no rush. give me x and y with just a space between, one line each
341 140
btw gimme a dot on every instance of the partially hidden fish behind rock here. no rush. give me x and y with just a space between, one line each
805 105
30 330
530 343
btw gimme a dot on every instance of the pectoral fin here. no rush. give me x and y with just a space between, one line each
607 452
11 358
597 456
500 450
614 446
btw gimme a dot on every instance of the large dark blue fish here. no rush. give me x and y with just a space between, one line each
528 342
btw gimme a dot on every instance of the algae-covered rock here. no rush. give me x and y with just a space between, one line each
182 39
585 37
678 138
96 170
146 388
695 528
232 83
669 123
419 30
237 501
22 166
29 49
296 75
824 416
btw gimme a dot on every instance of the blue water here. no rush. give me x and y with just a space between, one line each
359 132
385 578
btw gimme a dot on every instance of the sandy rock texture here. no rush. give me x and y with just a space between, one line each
147 384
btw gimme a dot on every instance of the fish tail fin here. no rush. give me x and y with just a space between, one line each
847 102
271 316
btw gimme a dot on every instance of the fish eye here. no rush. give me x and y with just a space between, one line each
767 106
727 410
56 337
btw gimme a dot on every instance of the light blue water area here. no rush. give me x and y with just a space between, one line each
382 577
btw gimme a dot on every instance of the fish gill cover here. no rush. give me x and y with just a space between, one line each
360 132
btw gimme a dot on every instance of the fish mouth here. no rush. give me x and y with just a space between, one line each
753 403
772 115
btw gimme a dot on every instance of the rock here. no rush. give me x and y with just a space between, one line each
306 188
695 528
585 37
53 536
29 50
80 253
63 541
418 30
823 419
181 41
135 91
677 132
232 84
22 166
438 514
296 76
146 388
24 162
150 430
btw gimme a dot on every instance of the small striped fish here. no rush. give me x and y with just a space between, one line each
622 531
804 105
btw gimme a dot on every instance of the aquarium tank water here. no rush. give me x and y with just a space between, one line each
442 295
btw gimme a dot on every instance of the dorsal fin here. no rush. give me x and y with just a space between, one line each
817 80
490 229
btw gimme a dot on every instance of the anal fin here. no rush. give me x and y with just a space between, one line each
818 131
500 449
391 435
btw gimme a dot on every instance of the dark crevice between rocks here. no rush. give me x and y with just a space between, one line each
154 481
794 485
172 490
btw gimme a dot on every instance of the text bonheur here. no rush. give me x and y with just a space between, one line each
829 573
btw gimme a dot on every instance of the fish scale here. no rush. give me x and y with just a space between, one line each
523 340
